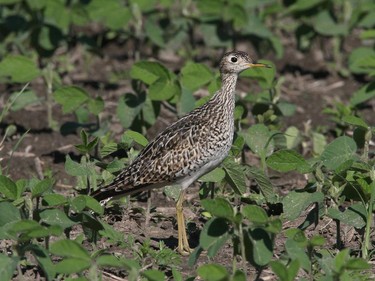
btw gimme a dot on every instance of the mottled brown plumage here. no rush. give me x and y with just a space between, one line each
188 148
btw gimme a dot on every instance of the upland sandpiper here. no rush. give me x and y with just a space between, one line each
188 148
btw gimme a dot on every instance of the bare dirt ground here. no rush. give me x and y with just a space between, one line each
309 83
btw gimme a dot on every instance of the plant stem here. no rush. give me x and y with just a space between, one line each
49 79
242 244
366 147
338 235
369 220
212 189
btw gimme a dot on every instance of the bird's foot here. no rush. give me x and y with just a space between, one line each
185 250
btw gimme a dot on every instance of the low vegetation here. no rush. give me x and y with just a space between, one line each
60 236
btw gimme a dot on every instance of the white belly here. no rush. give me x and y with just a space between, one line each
188 180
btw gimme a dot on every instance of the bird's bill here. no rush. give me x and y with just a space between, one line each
259 65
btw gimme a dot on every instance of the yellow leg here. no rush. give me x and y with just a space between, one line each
183 244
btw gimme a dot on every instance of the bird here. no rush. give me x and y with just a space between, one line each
187 149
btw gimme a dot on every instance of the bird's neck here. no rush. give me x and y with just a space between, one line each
225 96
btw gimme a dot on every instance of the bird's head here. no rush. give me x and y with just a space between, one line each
237 61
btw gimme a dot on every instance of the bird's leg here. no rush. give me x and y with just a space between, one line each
148 213
183 244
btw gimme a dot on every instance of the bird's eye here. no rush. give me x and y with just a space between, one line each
233 59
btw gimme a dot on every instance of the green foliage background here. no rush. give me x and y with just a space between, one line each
38 39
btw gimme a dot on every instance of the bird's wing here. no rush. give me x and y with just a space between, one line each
171 155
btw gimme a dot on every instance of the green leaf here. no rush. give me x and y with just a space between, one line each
56 217
177 276
341 259
49 38
354 216
195 75
28 229
109 260
154 32
92 144
44 260
288 109
148 72
359 58
42 231
238 15
95 106
70 249
216 175
137 137
338 151
255 214
235 176
70 98
213 272
163 89
94 205
57 13
54 199
211 35
357 264
112 14
258 245
72 265
297 235
325 25
297 201
356 121
76 169
317 240
20 101
208 7
319 143
41 187
8 188
288 160
263 182
78 203
24 226
274 226
219 207
7 267
7 2
150 111
303 5
153 275
280 270
109 232
239 276
214 232
297 252
258 138
293 269
8 213
106 150
128 108
194 256
293 137
365 93
187 101
19 69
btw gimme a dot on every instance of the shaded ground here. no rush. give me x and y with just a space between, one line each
309 83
